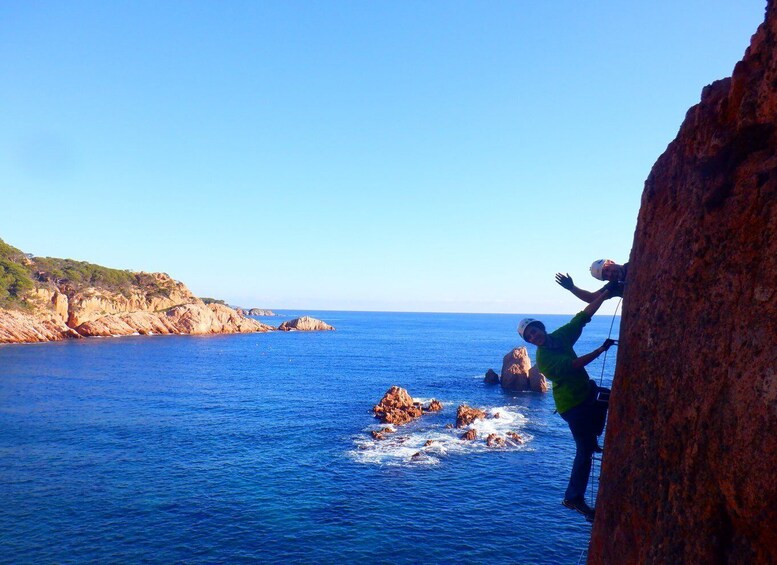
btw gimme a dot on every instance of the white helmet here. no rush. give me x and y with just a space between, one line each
597 267
526 322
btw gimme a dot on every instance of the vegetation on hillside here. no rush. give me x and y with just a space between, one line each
15 277
20 273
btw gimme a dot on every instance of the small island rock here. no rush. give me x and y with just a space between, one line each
304 324
397 407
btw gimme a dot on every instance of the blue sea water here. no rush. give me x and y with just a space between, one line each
256 448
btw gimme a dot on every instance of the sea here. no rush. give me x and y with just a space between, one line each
257 448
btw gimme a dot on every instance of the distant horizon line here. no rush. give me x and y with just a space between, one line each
425 312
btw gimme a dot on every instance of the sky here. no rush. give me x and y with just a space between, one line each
349 155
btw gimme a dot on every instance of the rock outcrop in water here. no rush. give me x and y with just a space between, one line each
465 415
689 464
518 373
398 407
305 324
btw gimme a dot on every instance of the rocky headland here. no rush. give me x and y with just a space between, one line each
49 299
691 451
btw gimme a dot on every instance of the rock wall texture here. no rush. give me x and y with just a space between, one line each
691 454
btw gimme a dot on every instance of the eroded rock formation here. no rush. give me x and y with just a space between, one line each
397 407
304 324
689 465
518 373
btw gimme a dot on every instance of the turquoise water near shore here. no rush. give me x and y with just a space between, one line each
256 447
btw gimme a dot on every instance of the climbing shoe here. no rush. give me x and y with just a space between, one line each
579 505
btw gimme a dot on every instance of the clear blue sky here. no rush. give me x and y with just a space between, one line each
432 156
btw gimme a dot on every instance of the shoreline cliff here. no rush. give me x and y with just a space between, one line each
48 299
689 462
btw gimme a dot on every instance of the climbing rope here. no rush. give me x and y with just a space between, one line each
609 334
593 480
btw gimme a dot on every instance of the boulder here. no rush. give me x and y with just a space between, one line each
304 324
466 415
537 381
469 435
491 377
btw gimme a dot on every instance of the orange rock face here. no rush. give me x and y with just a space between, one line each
18 327
466 415
469 435
691 454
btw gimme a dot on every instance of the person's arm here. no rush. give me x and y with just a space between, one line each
584 295
601 296
588 357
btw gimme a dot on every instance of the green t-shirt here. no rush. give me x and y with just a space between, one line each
570 385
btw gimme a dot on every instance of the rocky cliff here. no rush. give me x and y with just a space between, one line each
45 299
691 453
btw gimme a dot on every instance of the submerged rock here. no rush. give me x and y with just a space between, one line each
517 438
494 440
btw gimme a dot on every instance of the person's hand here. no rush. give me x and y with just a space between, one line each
565 281
608 343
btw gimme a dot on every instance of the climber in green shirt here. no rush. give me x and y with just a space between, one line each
573 391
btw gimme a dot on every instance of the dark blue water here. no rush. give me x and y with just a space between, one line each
256 448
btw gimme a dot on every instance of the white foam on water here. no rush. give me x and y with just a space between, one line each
427 441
